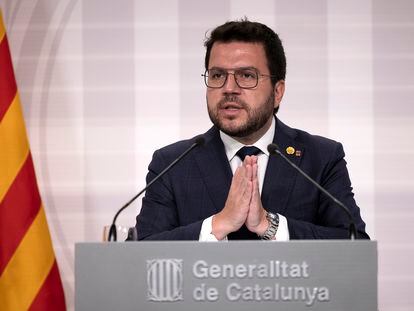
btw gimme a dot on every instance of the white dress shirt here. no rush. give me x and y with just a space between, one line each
231 147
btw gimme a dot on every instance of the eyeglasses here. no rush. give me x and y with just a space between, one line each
246 78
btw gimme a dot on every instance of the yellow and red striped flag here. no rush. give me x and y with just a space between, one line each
29 275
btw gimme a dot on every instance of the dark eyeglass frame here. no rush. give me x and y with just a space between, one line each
227 72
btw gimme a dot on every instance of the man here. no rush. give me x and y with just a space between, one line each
218 192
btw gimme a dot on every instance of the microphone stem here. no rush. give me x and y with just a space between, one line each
352 228
112 230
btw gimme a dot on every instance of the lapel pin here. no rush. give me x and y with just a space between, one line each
290 150
298 153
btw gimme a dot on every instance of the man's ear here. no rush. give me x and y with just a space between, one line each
279 91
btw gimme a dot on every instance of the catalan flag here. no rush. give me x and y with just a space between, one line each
29 275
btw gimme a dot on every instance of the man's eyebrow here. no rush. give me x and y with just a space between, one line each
237 68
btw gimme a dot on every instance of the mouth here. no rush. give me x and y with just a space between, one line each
231 106
231 110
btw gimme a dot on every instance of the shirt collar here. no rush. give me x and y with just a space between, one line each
231 146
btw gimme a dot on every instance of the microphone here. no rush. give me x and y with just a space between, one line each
198 141
274 149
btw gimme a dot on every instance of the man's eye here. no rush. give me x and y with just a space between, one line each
217 75
247 75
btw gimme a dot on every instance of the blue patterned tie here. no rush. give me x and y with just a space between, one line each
248 151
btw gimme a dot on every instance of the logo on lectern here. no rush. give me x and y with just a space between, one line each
165 279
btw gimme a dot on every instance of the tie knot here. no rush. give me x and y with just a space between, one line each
248 151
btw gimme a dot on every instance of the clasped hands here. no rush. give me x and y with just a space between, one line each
243 204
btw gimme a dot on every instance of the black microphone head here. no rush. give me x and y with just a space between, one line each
272 148
199 141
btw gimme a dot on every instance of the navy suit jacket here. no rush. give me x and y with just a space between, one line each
175 206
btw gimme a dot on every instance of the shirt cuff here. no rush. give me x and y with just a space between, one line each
206 229
282 233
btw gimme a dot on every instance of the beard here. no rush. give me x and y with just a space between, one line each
256 117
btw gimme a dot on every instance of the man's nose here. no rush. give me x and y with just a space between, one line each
231 85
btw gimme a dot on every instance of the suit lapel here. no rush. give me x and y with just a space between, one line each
280 177
215 168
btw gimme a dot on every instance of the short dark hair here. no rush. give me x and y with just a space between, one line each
252 32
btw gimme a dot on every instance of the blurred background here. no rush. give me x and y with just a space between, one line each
105 83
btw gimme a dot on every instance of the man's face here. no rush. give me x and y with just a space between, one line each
242 113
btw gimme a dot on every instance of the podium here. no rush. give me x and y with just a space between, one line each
238 275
